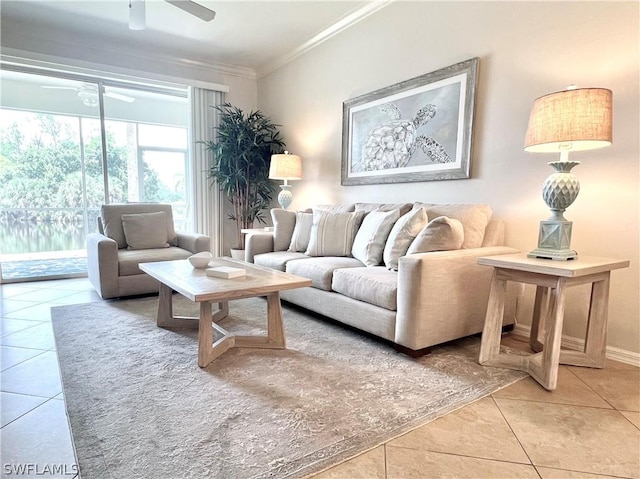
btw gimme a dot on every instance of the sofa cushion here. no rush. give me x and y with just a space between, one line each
401 236
283 223
145 230
128 260
368 207
111 216
372 236
301 232
343 208
474 219
440 234
320 270
277 259
332 234
377 285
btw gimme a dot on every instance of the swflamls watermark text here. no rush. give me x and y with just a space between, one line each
32 469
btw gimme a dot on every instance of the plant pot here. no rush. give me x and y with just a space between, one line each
237 254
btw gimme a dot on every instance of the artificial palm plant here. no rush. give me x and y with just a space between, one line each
239 163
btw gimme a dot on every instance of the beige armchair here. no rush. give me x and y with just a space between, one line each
130 234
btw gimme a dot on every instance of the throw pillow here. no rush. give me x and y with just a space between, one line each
474 219
301 232
145 230
401 236
283 223
332 234
440 234
370 239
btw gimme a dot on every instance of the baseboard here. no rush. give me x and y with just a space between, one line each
569 342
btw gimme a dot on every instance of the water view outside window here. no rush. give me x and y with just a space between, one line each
52 179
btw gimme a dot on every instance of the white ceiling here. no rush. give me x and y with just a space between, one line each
250 34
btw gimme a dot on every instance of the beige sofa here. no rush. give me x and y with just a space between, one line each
432 298
113 256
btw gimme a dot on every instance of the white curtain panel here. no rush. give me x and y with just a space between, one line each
204 208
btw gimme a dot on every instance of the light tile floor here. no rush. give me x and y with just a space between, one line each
588 428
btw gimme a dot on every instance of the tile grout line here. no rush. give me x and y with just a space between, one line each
591 389
46 400
514 434
42 351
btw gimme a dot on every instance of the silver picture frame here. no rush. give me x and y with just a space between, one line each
417 130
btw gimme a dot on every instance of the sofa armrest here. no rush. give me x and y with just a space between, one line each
257 243
443 295
194 242
102 264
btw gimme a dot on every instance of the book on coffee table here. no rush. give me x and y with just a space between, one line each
225 272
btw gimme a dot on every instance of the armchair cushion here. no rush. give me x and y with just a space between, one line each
111 217
128 260
145 230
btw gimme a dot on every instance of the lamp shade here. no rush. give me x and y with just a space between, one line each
285 167
578 119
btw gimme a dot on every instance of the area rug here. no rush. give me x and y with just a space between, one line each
140 407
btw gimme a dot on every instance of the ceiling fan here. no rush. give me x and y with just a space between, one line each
88 93
137 12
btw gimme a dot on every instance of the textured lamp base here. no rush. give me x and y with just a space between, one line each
554 241
285 197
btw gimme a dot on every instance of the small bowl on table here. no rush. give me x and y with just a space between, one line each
200 260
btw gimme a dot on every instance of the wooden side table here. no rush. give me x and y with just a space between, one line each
551 278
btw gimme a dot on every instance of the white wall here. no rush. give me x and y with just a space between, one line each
526 49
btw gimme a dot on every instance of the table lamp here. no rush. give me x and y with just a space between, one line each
285 167
570 120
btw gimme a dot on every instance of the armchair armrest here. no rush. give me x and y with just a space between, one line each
257 243
102 264
443 295
194 242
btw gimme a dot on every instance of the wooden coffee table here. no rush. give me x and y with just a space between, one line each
195 285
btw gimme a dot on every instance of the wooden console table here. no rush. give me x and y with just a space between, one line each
551 278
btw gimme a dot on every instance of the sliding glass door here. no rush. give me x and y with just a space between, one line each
60 160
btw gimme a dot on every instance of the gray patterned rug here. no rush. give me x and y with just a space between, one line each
140 407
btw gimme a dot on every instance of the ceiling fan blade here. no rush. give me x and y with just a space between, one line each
118 96
193 8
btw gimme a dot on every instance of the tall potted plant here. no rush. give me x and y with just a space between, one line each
239 163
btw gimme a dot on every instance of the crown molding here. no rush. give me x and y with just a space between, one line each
346 22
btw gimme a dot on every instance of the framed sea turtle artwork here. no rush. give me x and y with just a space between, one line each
417 130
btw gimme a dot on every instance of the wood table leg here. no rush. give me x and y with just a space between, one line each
540 315
596 340
595 346
544 368
165 306
223 312
275 330
208 350
491 333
